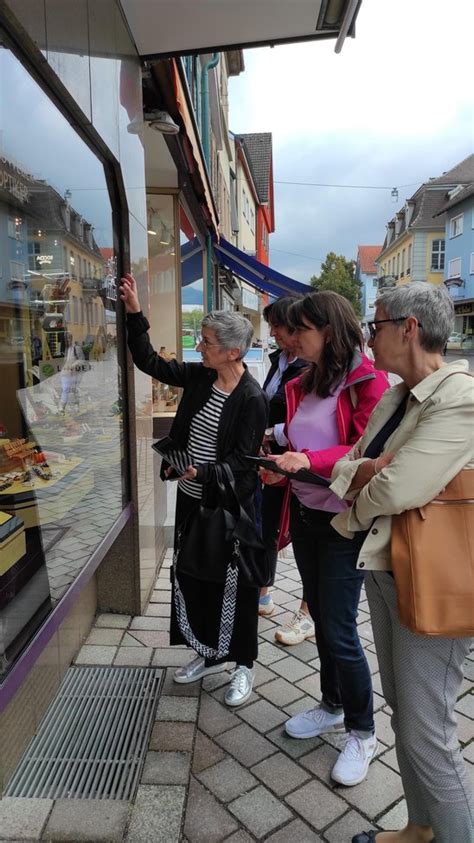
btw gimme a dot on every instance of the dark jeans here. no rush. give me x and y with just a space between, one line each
327 565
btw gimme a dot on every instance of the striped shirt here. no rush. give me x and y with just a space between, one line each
202 444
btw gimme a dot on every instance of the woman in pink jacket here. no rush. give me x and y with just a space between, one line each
328 408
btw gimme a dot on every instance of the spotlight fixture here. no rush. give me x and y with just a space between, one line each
156 119
162 122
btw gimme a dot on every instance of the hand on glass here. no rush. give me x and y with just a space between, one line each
368 469
128 294
292 461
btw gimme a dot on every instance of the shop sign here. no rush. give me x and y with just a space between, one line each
249 300
44 259
53 322
47 368
12 181
464 309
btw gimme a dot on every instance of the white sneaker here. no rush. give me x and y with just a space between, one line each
300 627
315 721
195 670
240 686
353 763
266 609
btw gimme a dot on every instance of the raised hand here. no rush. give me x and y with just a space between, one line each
128 294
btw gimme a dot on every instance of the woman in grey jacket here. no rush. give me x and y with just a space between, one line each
426 437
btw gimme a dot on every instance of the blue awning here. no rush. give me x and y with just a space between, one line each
191 262
258 274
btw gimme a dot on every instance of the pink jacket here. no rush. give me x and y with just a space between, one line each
362 390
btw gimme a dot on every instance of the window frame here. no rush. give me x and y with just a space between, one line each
452 274
30 57
454 222
439 253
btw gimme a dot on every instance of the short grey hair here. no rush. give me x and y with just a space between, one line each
232 329
430 304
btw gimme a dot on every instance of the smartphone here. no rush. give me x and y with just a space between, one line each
304 475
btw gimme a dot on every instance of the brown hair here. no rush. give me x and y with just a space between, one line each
276 312
328 310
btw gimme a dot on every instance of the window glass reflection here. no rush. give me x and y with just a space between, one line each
192 285
61 437
163 312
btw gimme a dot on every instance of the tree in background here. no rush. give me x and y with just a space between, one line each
338 274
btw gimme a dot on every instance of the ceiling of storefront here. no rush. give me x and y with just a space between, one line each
168 27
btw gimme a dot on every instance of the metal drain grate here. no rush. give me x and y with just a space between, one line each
93 738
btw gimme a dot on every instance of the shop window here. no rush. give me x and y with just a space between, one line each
162 273
193 303
61 432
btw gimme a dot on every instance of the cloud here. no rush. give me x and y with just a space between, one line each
392 110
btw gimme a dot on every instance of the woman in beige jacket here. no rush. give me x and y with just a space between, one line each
426 427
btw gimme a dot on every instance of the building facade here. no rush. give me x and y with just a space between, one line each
414 245
93 192
459 264
366 274
112 160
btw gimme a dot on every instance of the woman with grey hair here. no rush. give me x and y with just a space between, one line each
221 418
419 437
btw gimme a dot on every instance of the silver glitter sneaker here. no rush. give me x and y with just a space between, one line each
196 669
240 686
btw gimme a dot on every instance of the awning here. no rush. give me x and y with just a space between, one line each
165 27
258 274
191 262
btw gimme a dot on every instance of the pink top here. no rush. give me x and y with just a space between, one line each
314 428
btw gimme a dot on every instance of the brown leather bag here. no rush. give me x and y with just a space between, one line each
433 562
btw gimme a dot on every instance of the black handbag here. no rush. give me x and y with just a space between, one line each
212 537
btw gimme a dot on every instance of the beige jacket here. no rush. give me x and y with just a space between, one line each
433 442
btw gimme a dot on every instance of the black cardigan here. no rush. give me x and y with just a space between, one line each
244 414
277 411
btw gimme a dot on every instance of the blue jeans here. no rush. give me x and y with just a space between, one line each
332 583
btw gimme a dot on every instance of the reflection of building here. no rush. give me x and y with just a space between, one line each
100 513
54 277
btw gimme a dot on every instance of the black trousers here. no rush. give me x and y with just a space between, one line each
271 503
204 605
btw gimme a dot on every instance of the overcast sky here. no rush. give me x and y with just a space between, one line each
393 109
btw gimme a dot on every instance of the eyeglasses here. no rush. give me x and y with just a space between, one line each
205 342
372 326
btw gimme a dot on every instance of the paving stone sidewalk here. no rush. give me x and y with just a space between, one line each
213 773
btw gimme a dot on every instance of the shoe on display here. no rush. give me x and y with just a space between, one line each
196 669
314 722
297 630
240 686
266 606
353 763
